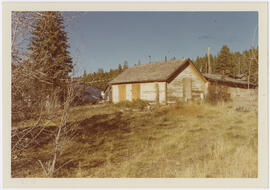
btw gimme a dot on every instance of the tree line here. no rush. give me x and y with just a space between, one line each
100 79
232 64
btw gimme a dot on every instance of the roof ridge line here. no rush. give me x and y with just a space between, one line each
160 62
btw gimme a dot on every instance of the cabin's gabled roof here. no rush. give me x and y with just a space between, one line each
152 72
225 80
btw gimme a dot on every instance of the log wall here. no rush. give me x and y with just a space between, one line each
149 92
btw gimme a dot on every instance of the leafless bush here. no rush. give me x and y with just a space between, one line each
45 108
63 137
31 99
23 138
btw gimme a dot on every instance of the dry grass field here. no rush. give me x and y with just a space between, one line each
123 140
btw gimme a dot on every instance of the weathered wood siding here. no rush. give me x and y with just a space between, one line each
234 93
162 93
149 92
243 94
136 91
129 92
115 94
187 88
175 88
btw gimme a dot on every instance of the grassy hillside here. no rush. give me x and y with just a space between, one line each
182 140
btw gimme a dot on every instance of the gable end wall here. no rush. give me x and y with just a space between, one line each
175 87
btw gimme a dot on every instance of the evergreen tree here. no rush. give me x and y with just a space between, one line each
233 64
49 50
100 71
214 63
223 61
253 64
84 74
84 77
120 69
174 58
201 63
125 65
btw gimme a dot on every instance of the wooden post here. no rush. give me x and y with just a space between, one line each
157 93
239 64
166 100
110 93
209 70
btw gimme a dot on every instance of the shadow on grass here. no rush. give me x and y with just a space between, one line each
92 132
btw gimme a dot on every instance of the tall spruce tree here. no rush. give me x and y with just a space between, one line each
49 50
253 61
223 61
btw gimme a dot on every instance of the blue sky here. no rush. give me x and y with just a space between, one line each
106 39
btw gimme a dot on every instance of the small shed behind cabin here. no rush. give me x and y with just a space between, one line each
237 89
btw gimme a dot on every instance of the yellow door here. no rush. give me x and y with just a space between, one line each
136 91
122 92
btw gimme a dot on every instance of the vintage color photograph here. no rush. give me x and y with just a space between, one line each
170 94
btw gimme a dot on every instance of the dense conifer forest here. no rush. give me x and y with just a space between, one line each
232 64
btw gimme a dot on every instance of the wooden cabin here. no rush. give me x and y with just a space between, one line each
236 89
160 82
